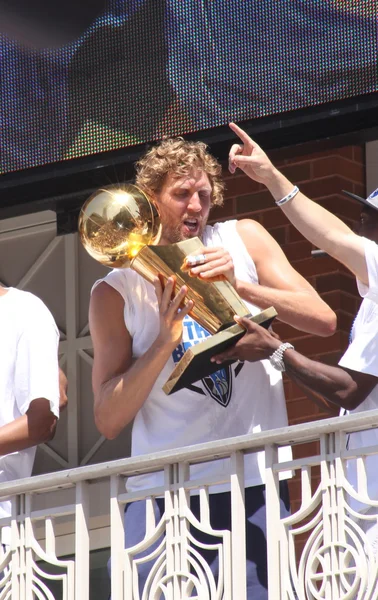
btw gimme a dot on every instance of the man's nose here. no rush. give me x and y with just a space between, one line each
195 203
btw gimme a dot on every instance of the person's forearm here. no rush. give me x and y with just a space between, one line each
332 383
300 310
21 434
120 398
319 226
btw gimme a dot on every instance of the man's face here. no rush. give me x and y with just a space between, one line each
184 204
368 225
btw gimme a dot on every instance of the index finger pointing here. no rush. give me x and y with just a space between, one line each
242 135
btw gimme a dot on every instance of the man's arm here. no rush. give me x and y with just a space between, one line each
296 301
35 427
336 385
318 225
120 385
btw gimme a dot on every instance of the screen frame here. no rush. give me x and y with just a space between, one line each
64 186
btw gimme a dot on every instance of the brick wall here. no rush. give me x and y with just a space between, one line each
321 176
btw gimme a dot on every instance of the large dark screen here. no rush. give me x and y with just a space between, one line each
131 71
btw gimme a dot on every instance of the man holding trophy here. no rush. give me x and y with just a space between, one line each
141 330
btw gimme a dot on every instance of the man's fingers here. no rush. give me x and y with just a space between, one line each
167 293
215 263
158 289
244 161
236 149
223 356
184 311
246 323
274 334
212 250
242 135
177 300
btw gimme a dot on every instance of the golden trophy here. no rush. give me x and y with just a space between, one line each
120 228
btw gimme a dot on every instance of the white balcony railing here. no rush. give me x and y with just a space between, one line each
68 512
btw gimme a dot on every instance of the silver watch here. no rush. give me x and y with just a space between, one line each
276 359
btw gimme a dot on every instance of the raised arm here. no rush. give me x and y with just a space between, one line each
120 384
318 225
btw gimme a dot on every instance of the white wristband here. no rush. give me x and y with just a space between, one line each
289 197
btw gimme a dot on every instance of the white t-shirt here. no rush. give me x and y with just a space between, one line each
362 356
371 255
240 399
28 370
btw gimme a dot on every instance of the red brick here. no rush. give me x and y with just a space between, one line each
273 217
331 358
280 234
350 304
320 188
298 173
241 184
327 166
300 407
358 188
348 284
327 282
250 203
359 153
344 321
305 450
286 332
333 299
297 250
342 206
315 345
346 151
294 235
219 213
316 266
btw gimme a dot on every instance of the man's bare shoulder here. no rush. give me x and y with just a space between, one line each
253 234
106 296
249 226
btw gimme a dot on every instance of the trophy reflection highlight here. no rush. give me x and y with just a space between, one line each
116 222
120 228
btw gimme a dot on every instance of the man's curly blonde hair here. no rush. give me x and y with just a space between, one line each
179 157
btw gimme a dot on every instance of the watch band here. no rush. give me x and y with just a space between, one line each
276 359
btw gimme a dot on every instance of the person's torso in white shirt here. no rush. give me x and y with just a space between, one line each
362 356
240 399
26 372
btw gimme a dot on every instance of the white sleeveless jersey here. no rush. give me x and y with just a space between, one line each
239 399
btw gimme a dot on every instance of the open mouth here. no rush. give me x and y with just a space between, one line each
192 225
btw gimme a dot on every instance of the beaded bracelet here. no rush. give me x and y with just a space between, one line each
290 196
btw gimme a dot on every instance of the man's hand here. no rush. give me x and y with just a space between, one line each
256 344
171 315
249 157
217 266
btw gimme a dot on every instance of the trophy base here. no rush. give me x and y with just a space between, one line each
196 363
